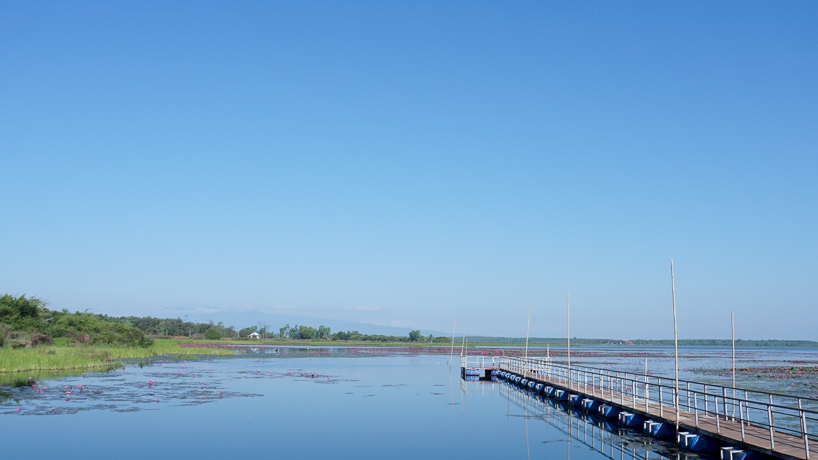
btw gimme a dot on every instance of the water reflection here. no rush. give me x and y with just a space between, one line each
376 403
595 433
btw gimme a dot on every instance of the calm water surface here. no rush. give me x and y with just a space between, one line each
297 405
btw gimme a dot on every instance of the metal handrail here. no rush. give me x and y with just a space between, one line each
681 381
480 361
643 389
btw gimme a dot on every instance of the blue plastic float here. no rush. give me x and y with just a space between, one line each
696 442
590 405
608 411
630 420
731 453
658 429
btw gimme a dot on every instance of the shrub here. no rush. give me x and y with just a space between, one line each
41 339
119 334
79 339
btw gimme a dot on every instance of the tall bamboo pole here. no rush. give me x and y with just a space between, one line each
569 334
733 339
527 329
463 345
675 344
451 353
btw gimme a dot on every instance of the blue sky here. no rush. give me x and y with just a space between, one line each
416 163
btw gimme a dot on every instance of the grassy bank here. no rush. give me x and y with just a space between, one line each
62 357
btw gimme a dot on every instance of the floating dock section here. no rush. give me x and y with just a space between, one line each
735 424
479 369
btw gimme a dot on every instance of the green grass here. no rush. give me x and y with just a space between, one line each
61 357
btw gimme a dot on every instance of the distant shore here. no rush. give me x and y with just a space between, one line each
513 342
62 356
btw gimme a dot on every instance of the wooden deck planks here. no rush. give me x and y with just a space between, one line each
755 438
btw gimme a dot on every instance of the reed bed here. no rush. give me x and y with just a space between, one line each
61 357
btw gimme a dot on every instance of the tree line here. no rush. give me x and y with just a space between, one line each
216 331
26 321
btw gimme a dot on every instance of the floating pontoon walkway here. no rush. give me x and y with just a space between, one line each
737 422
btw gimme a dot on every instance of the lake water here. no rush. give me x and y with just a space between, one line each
297 403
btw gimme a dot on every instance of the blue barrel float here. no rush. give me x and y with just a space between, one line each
731 453
659 430
608 411
630 420
696 442
590 405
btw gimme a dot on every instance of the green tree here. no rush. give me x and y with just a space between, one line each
247 331
306 332
284 331
22 313
323 332
213 333
414 336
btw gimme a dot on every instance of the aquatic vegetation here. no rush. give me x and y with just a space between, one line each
98 357
136 386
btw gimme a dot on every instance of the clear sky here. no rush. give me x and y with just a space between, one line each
416 163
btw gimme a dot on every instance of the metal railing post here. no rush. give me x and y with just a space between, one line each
647 394
741 420
706 409
770 421
718 424
804 428
696 408
724 402
661 401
